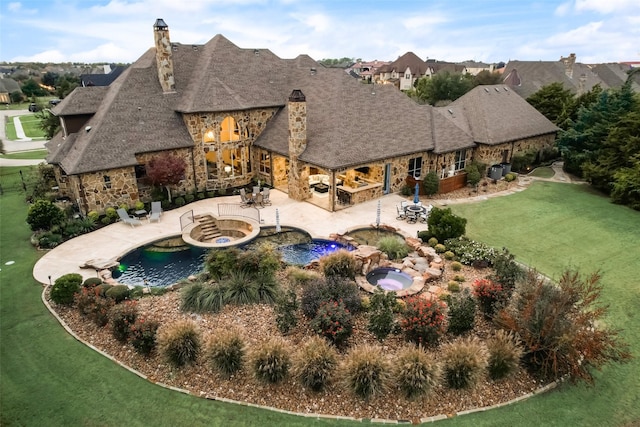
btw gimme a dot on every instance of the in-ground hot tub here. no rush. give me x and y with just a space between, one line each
210 231
389 279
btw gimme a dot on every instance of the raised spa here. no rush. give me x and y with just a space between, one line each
389 279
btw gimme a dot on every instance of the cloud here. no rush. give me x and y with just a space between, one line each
563 9
606 6
422 21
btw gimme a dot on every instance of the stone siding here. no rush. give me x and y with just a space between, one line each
493 154
298 171
99 195
183 187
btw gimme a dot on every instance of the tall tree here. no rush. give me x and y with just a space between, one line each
165 170
486 77
442 88
555 102
49 123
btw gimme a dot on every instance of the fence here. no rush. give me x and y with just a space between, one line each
452 183
17 181
186 219
234 209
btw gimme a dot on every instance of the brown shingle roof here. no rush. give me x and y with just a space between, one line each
83 100
408 60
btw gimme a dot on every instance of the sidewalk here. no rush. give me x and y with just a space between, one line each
24 144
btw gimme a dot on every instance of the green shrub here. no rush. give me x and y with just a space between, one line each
459 278
440 248
49 240
165 204
462 313
211 194
340 263
106 220
94 215
286 309
143 336
179 342
406 190
200 196
431 183
510 177
179 202
221 262
453 286
504 354
381 318
112 214
86 225
464 362
268 289
271 360
416 373
226 350
64 288
300 277
448 255
470 252
122 317
333 321
263 261
506 271
422 321
43 214
189 198
92 282
393 247
315 363
240 289
200 298
366 371
432 241
365 303
443 224
118 292
330 289
456 266
103 288
139 205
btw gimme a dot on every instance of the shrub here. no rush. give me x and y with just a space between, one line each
330 289
393 247
201 298
504 354
300 277
49 240
43 214
262 261
506 270
456 266
510 177
221 262
406 190
416 373
94 306
365 303
86 224
340 263
448 255
285 309
381 319
118 292
92 282
464 362
111 214
334 322
179 342
459 278
270 360
443 224
142 336
94 215
489 294
422 321
225 350
431 183
561 327
102 289
240 289
453 286
470 252
122 317
366 371
315 363
432 242
462 313
138 205
179 202
267 288
189 198
440 248
64 288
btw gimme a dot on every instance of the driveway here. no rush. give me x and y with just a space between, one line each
25 144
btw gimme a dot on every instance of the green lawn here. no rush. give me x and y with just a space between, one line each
542 172
30 125
26 155
47 378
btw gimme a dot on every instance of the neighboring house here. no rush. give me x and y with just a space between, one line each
366 70
403 72
527 77
473 67
7 87
105 79
238 115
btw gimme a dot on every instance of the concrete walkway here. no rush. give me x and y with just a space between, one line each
25 144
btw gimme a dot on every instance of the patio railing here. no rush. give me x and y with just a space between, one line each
186 219
235 209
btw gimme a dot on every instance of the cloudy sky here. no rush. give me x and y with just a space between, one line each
482 30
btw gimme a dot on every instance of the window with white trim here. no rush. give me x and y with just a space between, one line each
415 167
461 157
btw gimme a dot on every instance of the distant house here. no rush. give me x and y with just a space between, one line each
7 87
237 115
366 70
403 72
104 79
474 67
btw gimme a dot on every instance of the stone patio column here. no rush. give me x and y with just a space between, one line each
298 172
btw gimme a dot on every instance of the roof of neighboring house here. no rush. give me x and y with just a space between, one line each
408 60
101 79
9 85
533 75
489 113
615 75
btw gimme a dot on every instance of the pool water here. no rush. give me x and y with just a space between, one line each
157 265
389 279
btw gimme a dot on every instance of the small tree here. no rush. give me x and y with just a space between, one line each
165 170
443 224
431 183
43 214
473 175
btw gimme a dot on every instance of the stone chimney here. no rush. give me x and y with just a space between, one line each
164 60
581 84
569 62
298 172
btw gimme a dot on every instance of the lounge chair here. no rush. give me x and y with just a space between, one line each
128 219
156 211
265 197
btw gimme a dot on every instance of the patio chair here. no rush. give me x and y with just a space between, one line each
156 211
411 217
401 214
128 219
265 197
404 204
256 189
259 200
244 200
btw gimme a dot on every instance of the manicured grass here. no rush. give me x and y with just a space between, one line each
26 155
31 126
542 172
47 378
10 129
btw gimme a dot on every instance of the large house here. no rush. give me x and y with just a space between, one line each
238 115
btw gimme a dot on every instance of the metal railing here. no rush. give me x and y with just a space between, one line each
186 219
235 209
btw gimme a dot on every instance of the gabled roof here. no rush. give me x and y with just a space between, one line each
408 60
615 75
101 79
82 100
494 114
9 85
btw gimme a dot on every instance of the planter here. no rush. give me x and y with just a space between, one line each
495 172
506 168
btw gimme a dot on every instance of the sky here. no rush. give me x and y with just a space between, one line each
120 31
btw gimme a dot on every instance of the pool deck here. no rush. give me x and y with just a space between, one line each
115 240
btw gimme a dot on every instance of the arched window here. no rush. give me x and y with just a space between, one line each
209 136
229 130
